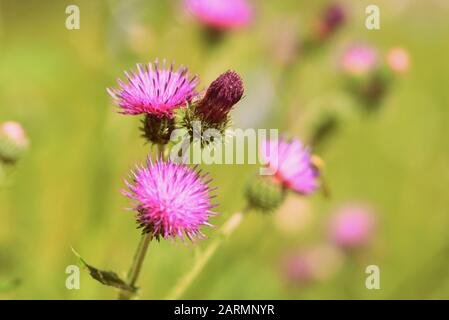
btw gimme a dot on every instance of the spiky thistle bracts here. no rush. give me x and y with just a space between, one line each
157 130
154 90
172 200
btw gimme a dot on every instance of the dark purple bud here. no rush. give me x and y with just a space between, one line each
334 16
329 21
222 94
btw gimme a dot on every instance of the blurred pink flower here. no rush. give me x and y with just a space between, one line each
172 200
317 263
154 91
352 226
292 164
14 132
221 14
359 60
398 60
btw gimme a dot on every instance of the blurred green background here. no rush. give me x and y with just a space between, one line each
65 192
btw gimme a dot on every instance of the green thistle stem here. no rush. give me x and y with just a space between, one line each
200 262
136 266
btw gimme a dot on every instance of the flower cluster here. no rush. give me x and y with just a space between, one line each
158 92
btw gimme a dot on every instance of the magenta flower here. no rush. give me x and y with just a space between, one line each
352 226
221 14
222 94
292 164
154 91
172 200
359 60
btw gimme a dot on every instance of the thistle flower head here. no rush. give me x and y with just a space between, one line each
154 90
352 226
221 14
292 164
222 94
359 60
398 60
172 200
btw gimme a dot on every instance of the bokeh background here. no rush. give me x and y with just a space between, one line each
65 191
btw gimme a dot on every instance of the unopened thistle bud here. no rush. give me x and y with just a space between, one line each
331 19
13 142
222 94
264 194
211 113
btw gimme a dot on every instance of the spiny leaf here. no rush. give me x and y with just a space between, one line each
107 278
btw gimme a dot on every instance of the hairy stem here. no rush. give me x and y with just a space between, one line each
200 262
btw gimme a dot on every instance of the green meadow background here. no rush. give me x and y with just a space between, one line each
65 192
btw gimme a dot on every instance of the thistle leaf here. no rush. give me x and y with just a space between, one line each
107 278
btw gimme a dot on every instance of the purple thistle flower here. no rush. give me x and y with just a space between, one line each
221 14
154 91
292 164
172 200
222 94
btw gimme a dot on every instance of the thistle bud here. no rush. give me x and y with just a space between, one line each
331 19
264 194
13 142
222 94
